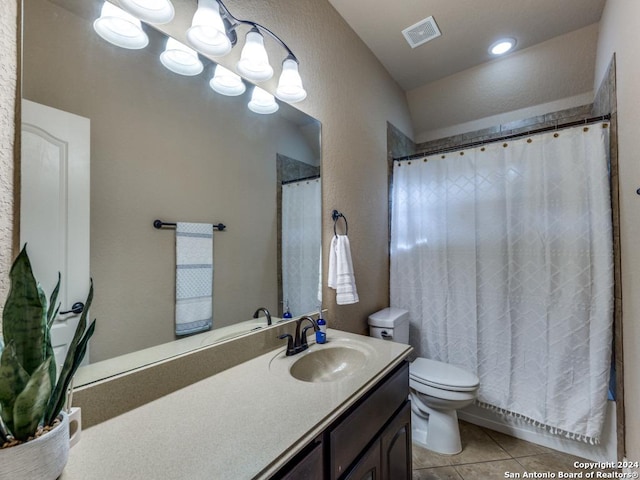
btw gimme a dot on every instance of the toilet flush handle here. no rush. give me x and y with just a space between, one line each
384 334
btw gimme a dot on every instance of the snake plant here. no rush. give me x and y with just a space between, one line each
31 394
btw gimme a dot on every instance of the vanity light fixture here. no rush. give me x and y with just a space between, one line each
262 102
151 11
181 59
226 82
120 28
502 46
214 32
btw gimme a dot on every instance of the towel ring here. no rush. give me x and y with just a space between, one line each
336 215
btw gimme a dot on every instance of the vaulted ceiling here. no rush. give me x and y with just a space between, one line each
468 28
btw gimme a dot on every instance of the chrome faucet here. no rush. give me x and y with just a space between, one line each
266 312
298 343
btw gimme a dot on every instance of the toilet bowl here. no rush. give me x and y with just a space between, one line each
437 389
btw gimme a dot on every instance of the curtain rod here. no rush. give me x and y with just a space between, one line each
312 177
506 137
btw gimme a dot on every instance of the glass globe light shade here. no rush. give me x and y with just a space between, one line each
181 59
254 62
290 83
226 82
120 28
207 33
150 11
262 102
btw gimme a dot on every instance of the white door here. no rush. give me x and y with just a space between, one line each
54 209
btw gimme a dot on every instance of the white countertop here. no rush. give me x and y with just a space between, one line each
243 423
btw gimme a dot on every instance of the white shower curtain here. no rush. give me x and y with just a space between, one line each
301 225
503 256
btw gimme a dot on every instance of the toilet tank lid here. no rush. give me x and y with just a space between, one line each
389 317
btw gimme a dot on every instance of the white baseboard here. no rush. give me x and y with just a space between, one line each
606 451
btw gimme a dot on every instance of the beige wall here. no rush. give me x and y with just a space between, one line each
556 69
620 34
353 96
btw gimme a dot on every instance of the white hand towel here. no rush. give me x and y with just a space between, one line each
194 277
341 276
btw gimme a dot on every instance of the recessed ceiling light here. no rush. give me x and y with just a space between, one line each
502 46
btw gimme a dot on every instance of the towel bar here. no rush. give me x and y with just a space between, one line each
159 224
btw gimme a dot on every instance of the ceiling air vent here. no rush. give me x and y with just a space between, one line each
421 32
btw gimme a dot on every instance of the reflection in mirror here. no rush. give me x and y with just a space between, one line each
166 146
298 193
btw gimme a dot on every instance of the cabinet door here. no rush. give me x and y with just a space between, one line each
308 468
395 443
368 468
365 422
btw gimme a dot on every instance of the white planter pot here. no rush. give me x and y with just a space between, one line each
43 458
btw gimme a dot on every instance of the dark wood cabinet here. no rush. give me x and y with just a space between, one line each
370 441
395 446
351 434
307 466
368 468
389 456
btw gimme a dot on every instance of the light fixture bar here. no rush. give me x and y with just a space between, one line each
232 23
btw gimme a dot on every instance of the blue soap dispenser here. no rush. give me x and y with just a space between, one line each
287 313
321 334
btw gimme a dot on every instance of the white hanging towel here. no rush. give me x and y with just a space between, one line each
341 277
194 277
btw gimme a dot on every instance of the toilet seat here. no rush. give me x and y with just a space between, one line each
444 376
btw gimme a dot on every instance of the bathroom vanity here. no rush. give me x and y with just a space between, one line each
335 411
372 439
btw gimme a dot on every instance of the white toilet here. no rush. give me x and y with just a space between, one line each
438 389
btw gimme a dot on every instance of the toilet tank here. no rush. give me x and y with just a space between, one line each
390 324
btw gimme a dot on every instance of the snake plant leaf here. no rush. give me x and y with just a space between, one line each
52 313
53 305
24 315
46 341
31 403
13 377
13 380
71 362
59 394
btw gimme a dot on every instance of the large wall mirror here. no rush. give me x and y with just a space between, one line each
166 146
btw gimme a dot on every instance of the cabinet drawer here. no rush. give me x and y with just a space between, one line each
352 434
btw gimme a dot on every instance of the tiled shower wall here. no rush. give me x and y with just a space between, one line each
605 102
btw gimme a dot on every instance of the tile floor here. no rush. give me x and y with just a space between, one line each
489 455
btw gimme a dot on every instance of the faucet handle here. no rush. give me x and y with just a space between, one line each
290 349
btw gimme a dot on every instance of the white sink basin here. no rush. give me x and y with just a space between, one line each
334 361
328 365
